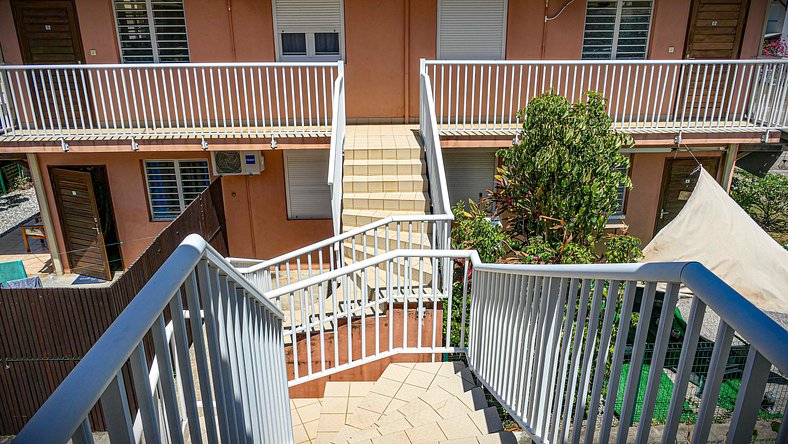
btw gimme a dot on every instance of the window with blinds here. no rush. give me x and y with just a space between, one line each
617 29
151 31
308 29
308 194
471 29
621 195
174 184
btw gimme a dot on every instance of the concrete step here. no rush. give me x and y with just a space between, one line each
358 218
400 201
386 153
372 167
391 183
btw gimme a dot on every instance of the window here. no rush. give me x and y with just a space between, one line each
174 184
308 29
617 29
621 197
471 29
306 178
151 31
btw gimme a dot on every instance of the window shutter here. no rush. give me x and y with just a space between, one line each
308 16
308 195
174 184
151 31
468 173
471 29
617 29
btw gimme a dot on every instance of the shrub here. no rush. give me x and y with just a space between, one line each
560 181
765 199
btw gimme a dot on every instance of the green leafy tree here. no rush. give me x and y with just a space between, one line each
558 185
765 199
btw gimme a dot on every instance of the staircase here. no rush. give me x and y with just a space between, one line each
436 402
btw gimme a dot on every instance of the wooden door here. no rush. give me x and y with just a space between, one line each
81 226
678 181
48 34
715 32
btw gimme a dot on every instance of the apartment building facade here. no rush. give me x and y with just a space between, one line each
185 84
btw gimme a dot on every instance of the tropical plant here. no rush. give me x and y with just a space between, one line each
765 199
557 186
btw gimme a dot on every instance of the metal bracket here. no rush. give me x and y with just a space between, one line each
63 145
765 137
274 143
134 145
203 143
677 139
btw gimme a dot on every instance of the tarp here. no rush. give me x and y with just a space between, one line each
714 230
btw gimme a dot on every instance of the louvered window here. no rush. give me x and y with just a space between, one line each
617 29
620 197
471 29
152 31
308 194
308 29
174 184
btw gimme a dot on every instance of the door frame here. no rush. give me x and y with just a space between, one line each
24 48
58 205
666 171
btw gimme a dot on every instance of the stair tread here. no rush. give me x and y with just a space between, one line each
387 195
412 161
386 178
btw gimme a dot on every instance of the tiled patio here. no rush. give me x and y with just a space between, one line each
37 262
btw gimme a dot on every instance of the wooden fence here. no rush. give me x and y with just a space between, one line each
45 332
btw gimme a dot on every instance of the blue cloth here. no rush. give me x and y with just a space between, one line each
31 282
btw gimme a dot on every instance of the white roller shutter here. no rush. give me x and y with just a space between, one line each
469 173
471 29
308 195
308 15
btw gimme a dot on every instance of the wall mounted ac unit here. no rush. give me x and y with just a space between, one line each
234 163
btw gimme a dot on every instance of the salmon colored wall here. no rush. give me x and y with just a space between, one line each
642 200
208 29
374 58
8 40
669 28
524 23
262 196
254 30
423 44
262 230
752 40
97 27
127 188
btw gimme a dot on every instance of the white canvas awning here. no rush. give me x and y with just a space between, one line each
712 229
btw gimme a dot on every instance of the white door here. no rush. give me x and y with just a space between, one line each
306 179
469 173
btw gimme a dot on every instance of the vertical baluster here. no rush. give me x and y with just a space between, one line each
563 358
83 434
184 366
166 381
115 406
658 360
565 413
713 382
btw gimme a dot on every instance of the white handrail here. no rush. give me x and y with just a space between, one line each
337 150
199 100
643 95
242 343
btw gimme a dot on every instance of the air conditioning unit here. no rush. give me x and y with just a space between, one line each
235 163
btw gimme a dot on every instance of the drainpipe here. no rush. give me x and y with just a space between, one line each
407 61
46 216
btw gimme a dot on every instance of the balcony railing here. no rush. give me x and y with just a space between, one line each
195 100
481 97
562 347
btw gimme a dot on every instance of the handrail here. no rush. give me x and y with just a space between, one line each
200 100
263 264
337 150
643 96
99 369
428 127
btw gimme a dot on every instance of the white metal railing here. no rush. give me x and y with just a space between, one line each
562 347
382 236
356 314
337 152
643 96
566 335
200 100
239 390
